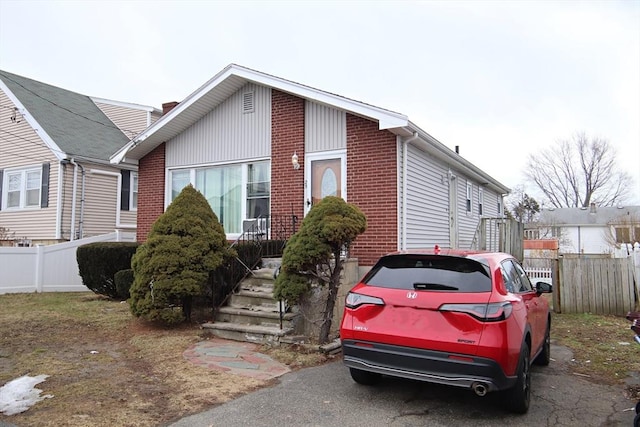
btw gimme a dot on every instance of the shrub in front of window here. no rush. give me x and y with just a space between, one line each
314 254
99 262
186 244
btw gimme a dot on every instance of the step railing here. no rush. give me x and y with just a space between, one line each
261 237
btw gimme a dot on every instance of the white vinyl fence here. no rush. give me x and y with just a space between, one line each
50 268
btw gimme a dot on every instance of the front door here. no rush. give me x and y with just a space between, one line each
324 176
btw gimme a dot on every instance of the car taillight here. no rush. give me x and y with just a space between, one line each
492 312
356 300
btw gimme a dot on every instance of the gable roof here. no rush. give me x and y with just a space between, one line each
233 77
71 124
594 216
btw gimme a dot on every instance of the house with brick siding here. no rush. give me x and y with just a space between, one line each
56 180
255 144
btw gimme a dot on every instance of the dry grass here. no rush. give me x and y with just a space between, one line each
138 377
603 347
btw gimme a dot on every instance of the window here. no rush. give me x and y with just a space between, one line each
480 200
234 192
258 189
22 188
499 206
469 189
623 235
134 191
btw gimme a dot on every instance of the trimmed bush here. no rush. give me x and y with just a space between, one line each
123 280
173 267
99 262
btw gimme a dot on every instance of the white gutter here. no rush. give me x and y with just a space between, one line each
118 196
403 191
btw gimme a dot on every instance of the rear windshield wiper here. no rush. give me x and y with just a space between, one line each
434 286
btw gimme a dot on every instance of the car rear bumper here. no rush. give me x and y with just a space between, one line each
426 365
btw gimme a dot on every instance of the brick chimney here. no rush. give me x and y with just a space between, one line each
168 106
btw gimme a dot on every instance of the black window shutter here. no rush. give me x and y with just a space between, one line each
44 188
126 189
1 171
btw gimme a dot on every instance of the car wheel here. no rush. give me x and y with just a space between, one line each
544 357
365 377
518 397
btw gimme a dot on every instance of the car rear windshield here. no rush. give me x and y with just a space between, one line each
430 273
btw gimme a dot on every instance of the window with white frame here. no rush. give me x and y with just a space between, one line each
469 195
499 206
234 192
133 201
480 200
21 188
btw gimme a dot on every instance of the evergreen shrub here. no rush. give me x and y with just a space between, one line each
99 262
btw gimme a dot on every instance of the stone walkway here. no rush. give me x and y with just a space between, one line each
234 357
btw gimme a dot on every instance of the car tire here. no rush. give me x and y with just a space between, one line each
365 377
544 357
518 397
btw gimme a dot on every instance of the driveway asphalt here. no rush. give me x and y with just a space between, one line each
325 396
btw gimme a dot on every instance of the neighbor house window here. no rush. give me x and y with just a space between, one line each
469 189
623 235
21 188
499 206
234 192
134 191
480 200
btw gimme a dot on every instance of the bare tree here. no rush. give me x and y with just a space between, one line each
579 172
521 206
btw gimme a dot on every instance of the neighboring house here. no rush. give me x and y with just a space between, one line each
55 176
254 143
593 230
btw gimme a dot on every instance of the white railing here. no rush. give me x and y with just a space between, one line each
50 268
540 275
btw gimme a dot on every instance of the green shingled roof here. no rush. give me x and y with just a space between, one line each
72 120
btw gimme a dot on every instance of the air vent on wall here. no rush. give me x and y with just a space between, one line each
247 102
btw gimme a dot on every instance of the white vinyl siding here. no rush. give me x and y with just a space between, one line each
226 134
427 201
131 121
325 128
22 147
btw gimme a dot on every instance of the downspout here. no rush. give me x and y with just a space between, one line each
75 182
59 199
73 200
405 149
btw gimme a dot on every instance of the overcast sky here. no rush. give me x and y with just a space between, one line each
498 79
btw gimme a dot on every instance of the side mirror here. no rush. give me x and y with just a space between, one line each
543 288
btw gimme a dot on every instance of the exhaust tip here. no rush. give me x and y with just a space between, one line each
480 389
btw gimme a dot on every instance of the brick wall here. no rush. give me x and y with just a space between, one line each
287 137
372 186
151 169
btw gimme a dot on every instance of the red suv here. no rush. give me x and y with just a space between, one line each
465 319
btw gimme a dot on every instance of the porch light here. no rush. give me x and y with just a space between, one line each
294 161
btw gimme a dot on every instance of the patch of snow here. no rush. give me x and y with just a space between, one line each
20 394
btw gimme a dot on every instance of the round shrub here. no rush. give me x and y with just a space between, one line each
99 262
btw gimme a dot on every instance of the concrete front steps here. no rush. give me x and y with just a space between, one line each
252 314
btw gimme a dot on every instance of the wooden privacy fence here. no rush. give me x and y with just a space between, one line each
596 285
